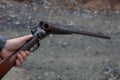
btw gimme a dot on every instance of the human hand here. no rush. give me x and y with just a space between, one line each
12 45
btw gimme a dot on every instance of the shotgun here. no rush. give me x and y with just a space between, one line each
42 30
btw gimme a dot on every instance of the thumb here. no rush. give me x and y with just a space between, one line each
16 43
24 38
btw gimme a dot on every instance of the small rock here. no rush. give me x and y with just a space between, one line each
107 22
46 73
5 15
34 8
17 22
110 79
29 17
13 15
95 12
117 12
64 44
107 70
39 78
51 35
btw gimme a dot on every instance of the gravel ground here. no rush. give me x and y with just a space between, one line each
64 57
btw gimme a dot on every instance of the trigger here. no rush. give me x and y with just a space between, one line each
32 31
35 47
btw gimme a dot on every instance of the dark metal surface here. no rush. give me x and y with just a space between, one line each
50 28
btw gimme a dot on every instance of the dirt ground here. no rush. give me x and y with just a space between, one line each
64 57
85 4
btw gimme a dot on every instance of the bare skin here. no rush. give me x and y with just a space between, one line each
12 45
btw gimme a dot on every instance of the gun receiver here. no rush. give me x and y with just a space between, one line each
43 30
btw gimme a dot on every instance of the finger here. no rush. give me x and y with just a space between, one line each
18 63
20 58
23 54
27 53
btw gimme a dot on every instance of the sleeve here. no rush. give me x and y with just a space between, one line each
3 40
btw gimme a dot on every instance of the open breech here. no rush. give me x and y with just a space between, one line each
42 30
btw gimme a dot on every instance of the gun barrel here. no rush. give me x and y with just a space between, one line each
59 29
100 35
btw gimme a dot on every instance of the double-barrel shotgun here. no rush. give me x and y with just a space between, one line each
42 30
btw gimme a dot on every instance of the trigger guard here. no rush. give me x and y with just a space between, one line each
35 48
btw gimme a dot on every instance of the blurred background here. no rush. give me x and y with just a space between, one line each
66 57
